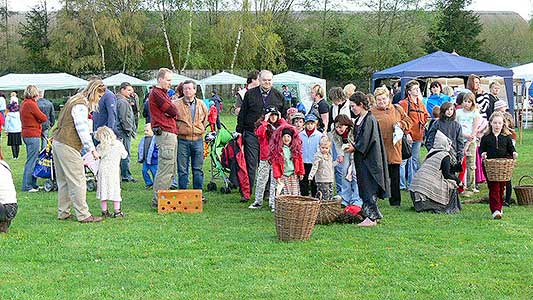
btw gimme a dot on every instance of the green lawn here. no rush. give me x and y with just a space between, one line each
231 252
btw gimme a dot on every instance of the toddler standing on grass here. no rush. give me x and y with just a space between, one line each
497 143
286 159
322 170
8 196
147 155
108 176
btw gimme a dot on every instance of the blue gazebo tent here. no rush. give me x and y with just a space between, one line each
444 64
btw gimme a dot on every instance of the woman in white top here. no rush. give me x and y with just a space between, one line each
8 196
13 127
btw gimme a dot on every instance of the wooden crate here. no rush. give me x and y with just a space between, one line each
184 201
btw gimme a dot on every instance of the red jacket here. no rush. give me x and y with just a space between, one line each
2 122
31 117
298 162
162 112
261 133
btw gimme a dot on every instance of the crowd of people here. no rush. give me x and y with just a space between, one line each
361 148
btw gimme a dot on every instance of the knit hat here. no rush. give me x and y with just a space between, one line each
500 104
292 111
286 131
310 118
297 115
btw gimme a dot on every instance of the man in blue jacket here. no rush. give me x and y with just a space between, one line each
107 112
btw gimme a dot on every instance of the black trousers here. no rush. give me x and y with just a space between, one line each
251 155
508 192
306 184
394 176
15 149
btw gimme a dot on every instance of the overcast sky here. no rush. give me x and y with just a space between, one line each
523 7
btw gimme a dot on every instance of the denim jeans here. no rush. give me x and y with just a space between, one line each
192 151
147 169
338 172
413 165
125 172
44 139
32 155
350 190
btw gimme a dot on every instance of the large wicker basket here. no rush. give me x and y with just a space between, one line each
328 212
524 193
499 169
296 217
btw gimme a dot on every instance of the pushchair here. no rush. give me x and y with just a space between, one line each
45 169
213 144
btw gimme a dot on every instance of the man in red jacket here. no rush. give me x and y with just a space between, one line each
163 120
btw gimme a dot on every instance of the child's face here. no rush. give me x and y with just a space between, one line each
148 131
324 149
287 139
449 111
310 125
298 123
340 128
497 124
273 118
467 104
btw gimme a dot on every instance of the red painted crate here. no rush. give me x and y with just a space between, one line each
185 201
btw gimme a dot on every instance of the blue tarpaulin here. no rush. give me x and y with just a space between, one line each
444 64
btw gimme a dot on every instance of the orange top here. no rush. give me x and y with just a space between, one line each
417 112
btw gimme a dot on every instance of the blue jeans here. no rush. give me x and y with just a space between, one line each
338 172
32 155
125 172
44 139
350 190
413 165
192 151
147 169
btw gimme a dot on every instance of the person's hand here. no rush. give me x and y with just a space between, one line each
267 116
309 178
349 148
515 155
302 177
484 155
409 139
340 159
95 154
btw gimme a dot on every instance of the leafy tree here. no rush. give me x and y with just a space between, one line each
455 28
34 37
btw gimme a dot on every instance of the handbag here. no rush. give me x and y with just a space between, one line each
407 150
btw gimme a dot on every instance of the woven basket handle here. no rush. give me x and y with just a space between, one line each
520 181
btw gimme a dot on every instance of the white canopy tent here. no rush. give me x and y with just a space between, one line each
50 81
176 79
524 74
303 84
222 78
118 79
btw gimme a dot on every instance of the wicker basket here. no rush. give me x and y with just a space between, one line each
524 193
296 217
328 212
499 169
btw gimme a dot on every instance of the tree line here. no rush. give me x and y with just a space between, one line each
309 36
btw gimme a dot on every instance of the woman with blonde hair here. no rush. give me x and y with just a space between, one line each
32 118
71 136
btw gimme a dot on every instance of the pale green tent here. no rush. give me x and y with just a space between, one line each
49 81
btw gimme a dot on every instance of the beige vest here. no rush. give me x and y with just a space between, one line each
66 130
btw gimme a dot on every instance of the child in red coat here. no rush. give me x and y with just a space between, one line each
286 159
212 116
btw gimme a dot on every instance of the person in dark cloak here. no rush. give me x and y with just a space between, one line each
370 160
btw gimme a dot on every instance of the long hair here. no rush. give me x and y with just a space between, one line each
470 82
505 128
106 136
276 144
93 92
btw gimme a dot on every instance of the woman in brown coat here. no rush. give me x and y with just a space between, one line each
389 116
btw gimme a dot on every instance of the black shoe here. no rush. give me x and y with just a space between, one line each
204 200
106 214
243 200
148 187
118 214
133 180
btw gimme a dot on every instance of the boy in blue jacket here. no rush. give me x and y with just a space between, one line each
147 155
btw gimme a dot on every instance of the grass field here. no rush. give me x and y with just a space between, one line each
231 252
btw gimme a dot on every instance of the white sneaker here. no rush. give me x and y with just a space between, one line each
475 190
497 215
336 198
255 206
33 191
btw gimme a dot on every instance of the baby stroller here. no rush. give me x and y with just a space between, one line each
45 169
215 142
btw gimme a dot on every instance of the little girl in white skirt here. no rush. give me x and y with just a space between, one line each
108 175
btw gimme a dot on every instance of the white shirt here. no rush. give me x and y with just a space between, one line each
7 188
2 103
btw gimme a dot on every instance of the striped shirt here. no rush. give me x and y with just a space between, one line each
81 122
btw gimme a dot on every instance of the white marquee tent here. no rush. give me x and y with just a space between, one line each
118 79
222 78
302 82
50 81
523 72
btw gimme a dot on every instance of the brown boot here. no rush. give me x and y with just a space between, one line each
91 219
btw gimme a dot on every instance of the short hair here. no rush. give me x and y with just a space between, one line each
381 91
319 90
443 108
336 93
252 76
283 86
349 89
436 111
493 84
436 84
189 82
162 72
124 85
343 120
409 85
31 92
359 98
264 72
324 140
